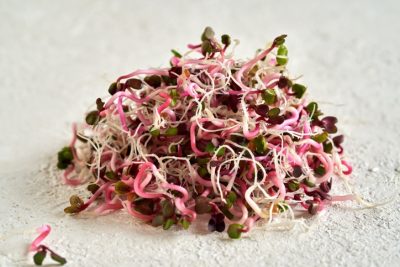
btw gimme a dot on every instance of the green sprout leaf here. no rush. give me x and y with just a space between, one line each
75 200
203 161
231 198
113 88
65 154
65 158
176 53
72 210
313 111
121 188
260 143
269 96
281 57
167 208
171 131
111 176
208 34
235 230
155 132
58 258
92 118
99 104
168 223
92 188
210 148
328 146
320 138
39 256
273 113
206 47
221 151
175 96
320 170
282 206
308 182
293 185
185 224
158 220
202 171
299 90
226 39
280 40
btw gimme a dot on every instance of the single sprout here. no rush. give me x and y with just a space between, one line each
41 251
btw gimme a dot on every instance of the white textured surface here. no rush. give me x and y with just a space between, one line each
56 57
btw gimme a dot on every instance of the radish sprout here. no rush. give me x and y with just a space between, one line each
234 139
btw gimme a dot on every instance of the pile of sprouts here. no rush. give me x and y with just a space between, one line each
231 139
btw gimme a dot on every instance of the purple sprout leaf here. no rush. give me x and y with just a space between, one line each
329 124
338 140
262 110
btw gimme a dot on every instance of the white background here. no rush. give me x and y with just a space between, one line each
57 57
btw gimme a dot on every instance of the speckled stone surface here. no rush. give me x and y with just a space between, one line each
56 57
